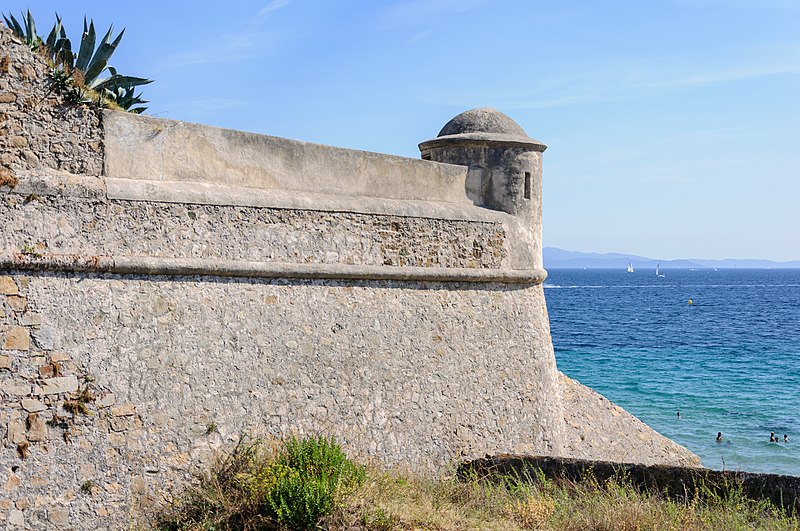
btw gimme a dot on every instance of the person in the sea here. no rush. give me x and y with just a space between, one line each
785 438
679 415
719 436
772 437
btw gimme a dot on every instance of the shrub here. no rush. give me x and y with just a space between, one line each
258 486
308 477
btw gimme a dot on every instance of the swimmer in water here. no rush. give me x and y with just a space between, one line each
679 415
785 438
719 436
772 437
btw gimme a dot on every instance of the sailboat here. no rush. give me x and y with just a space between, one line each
630 267
658 271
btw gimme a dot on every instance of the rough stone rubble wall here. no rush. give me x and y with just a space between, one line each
72 216
37 130
418 375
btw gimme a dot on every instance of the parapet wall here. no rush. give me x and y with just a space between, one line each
140 147
209 283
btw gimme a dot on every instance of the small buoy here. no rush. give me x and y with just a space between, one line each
690 301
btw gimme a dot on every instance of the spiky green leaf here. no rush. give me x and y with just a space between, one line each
64 58
30 28
87 46
15 26
101 57
52 38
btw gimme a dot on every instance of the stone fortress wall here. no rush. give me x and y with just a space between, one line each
167 287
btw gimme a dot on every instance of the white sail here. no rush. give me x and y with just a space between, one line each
630 267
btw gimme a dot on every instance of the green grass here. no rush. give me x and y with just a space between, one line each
310 483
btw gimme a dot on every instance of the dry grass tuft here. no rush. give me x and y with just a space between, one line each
391 501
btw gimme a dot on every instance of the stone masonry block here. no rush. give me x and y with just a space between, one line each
30 319
16 432
17 303
32 406
17 338
123 410
62 384
37 428
16 388
8 286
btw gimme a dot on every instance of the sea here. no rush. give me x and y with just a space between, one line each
720 347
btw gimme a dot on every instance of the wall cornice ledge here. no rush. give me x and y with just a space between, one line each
141 265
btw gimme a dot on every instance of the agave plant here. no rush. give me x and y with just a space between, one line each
28 32
121 89
87 66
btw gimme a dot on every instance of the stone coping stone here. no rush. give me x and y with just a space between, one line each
676 482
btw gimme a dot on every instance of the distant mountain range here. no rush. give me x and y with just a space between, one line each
555 258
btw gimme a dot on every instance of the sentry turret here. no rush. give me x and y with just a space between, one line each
505 165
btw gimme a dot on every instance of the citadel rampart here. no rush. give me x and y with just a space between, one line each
166 287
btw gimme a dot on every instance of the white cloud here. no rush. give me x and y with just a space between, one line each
251 41
620 82
272 6
416 10
419 36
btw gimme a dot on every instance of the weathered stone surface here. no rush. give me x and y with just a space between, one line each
5 362
37 428
8 286
15 432
123 410
16 518
30 319
17 303
45 338
58 357
215 351
32 406
151 148
17 338
16 387
247 233
58 516
58 385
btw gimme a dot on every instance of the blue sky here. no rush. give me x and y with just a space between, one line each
673 126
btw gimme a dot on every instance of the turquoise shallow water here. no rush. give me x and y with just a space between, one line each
729 362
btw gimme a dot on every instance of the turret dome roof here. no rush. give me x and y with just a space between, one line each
486 127
482 120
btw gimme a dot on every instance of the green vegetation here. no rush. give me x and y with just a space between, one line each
309 483
78 76
261 486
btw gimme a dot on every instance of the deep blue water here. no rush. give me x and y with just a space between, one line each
729 362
